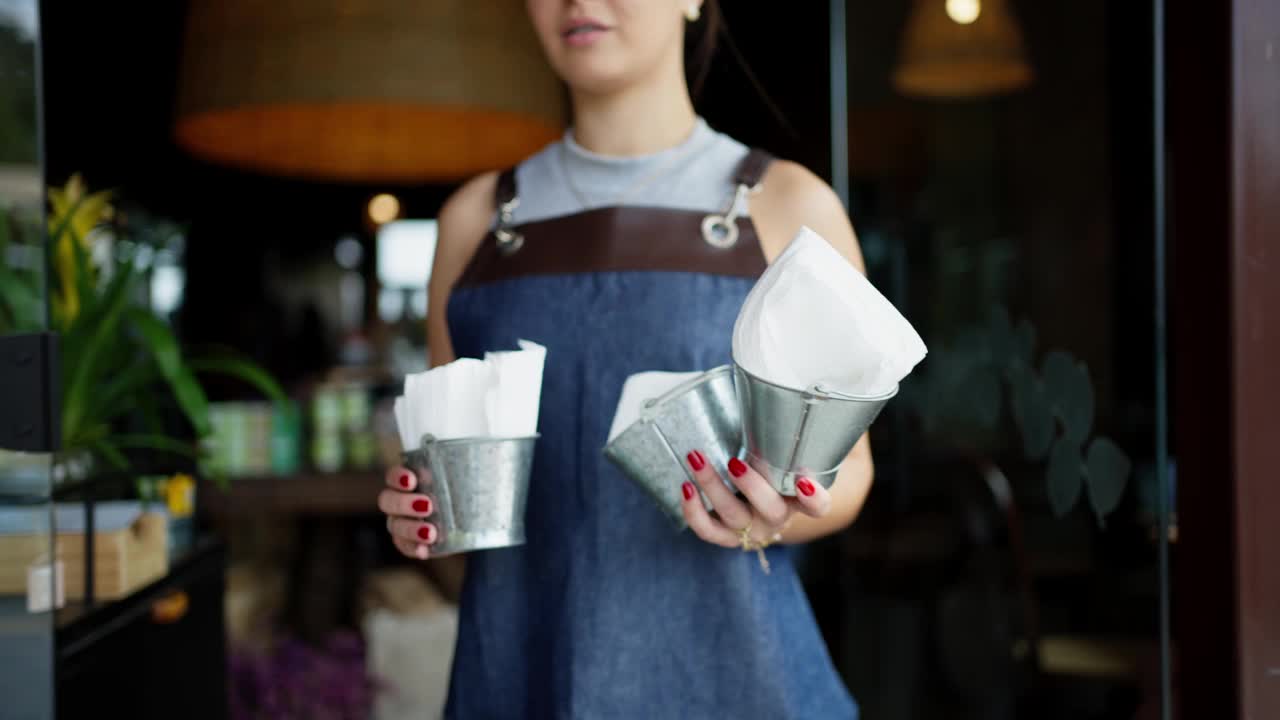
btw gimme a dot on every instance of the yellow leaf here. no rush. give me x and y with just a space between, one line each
92 210
63 198
65 267
75 187
79 221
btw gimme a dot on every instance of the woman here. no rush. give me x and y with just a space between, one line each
595 248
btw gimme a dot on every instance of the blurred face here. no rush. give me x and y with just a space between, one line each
601 46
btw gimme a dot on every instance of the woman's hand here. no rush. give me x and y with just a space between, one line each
406 514
759 518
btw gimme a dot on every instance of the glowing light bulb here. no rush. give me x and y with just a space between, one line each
384 208
964 12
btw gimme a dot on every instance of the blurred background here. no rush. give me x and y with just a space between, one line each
237 260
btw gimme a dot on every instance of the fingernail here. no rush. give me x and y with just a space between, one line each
425 532
421 505
406 479
805 486
696 461
421 552
687 489
737 468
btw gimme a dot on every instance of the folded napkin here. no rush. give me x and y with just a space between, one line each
498 396
640 389
813 320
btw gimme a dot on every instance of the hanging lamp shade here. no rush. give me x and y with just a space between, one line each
961 49
365 90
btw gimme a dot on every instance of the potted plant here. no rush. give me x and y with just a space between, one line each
122 366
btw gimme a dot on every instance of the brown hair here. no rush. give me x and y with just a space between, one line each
700 45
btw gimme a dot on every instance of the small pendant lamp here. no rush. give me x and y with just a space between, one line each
961 49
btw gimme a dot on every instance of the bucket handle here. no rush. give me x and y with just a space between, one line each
818 390
444 503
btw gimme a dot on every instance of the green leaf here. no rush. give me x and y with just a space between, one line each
1070 392
121 391
1108 468
1065 476
95 307
85 363
1032 412
159 341
19 292
162 345
20 298
191 399
87 436
241 369
111 453
84 268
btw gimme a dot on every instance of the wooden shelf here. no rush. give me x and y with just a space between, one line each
345 493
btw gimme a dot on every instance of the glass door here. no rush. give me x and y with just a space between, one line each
29 573
1010 561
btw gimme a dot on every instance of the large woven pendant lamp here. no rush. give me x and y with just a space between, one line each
961 49
365 90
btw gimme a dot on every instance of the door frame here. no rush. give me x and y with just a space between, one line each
1223 117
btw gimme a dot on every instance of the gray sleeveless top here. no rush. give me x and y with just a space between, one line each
566 178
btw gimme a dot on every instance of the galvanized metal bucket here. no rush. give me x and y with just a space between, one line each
700 414
480 487
793 433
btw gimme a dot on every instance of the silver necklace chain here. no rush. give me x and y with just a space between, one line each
636 186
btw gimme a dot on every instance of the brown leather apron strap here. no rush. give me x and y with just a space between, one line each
614 239
623 238
752 168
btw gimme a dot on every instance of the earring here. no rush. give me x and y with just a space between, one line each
692 13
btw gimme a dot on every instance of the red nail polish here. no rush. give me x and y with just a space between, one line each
424 532
696 460
687 489
805 486
737 468
405 479
421 505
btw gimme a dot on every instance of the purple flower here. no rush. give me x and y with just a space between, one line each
302 681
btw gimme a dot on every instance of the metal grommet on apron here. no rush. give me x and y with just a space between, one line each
721 230
508 240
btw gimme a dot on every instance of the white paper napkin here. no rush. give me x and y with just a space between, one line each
498 396
639 389
813 319
513 400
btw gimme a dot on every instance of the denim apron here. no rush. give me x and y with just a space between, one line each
606 611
